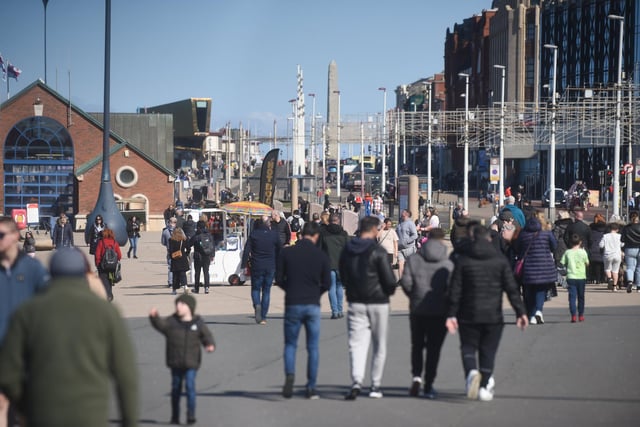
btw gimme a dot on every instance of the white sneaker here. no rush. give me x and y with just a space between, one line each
533 320
473 382
539 318
485 395
491 384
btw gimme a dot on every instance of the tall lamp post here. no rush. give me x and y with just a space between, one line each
429 154
339 178
552 142
466 140
383 177
313 137
616 148
45 2
502 171
106 204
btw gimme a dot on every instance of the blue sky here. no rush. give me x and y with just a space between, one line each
241 53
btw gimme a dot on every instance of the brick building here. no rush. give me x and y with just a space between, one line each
52 156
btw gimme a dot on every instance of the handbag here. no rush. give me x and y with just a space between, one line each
518 271
177 254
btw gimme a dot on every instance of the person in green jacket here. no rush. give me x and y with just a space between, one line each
184 332
62 350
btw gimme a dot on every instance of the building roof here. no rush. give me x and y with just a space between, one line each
121 143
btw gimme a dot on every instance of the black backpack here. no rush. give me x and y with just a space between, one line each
206 244
295 224
109 261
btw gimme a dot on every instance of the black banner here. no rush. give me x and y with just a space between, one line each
268 177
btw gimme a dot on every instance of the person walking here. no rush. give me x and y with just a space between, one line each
179 250
407 235
64 349
21 277
424 281
304 274
596 261
611 246
369 282
261 251
388 239
185 332
518 215
334 239
480 277
108 242
62 233
281 227
579 227
576 260
133 232
165 239
29 246
203 253
536 247
631 242
189 227
95 234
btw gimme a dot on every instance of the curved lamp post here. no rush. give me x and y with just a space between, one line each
106 204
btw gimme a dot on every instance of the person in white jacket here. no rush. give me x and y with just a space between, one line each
611 245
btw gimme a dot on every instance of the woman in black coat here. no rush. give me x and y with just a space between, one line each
596 259
179 251
96 234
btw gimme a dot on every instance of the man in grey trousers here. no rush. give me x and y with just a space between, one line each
407 235
369 281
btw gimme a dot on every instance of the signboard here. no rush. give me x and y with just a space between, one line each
268 177
33 213
494 169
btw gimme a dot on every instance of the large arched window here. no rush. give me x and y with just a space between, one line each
38 167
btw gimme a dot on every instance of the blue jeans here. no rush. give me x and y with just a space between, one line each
294 317
261 281
177 377
133 245
576 289
534 296
632 273
335 293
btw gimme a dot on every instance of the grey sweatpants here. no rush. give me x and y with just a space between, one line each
367 323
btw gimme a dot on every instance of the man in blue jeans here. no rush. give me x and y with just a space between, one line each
303 273
334 239
261 251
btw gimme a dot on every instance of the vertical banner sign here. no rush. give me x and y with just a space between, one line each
494 169
637 174
268 177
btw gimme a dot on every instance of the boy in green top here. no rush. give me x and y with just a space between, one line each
576 260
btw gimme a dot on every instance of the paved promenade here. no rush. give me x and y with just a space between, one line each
557 374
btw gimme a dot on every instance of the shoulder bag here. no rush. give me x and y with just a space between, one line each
177 254
518 271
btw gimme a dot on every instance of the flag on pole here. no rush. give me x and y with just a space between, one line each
13 71
3 70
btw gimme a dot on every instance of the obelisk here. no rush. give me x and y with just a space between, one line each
332 111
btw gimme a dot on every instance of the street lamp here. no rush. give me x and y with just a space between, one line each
502 171
313 136
429 155
384 139
466 140
552 142
339 178
45 2
616 148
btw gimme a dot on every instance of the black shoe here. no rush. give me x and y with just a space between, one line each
312 394
129 254
629 287
196 290
431 393
353 393
416 384
174 421
206 289
191 420
135 257
287 389
334 316
340 315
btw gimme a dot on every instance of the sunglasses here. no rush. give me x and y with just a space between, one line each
2 234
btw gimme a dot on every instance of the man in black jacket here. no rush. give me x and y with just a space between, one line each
580 228
368 281
203 253
280 226
303 274
334 239
479 278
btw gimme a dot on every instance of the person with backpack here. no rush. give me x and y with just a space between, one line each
203 253
107 260
295 224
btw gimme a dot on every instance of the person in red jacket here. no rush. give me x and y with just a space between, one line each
108 241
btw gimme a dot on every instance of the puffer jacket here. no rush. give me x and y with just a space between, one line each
478 280
425 278
631 235
597 231
366 273
539 265
183 340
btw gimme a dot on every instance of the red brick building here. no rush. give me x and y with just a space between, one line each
52 155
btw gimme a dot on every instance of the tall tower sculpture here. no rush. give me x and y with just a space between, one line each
299 129
333 95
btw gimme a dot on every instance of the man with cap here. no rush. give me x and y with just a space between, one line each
184 332
58 384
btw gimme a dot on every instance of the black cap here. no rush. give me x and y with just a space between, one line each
68 262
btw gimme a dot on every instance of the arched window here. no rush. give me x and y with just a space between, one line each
38 167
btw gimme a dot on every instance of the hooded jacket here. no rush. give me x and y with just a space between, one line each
183 340
334 239
597 231
425 278
631 235
478 280
539 265
559 230
262 249
366 273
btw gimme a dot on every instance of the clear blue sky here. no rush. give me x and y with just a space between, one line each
241 53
